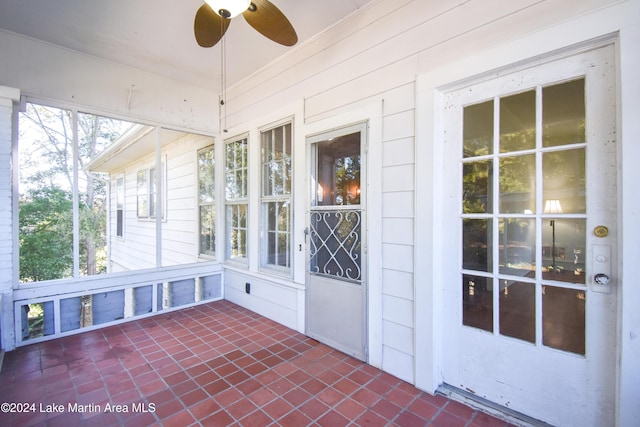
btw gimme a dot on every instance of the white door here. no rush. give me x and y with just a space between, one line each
532 204
336 286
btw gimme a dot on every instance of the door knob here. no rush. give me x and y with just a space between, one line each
601 279
601 259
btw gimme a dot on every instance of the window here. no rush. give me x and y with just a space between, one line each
143 194
236 198
152 192
120 207
276 197
206 201
522 173
147 189
62 217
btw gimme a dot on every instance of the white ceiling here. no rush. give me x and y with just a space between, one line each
157 35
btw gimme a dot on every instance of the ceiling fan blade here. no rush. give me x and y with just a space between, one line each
269 21
209 27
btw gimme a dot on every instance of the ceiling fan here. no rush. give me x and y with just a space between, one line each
213 19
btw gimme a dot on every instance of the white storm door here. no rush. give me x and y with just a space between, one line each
532 214
336 285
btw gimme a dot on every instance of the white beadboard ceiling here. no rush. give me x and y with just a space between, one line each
157 35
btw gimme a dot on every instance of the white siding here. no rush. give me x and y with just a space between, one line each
271 298
46 71
372 57
137 249
180 229
375 57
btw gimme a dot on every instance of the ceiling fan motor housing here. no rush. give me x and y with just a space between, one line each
213 18
228 8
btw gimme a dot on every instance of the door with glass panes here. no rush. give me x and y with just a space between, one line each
336 274
530 292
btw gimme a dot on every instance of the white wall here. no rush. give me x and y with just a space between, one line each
629 298
137 248
375 57
523 46
50 73
277 299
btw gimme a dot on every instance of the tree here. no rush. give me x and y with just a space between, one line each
47 170
46 232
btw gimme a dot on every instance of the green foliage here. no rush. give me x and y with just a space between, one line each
46 179
347 172
46 235
93 238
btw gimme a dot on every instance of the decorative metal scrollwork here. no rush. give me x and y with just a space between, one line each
336 244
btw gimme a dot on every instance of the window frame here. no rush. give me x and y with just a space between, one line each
142 193
269 196
236 199
150 192
120 205
212 203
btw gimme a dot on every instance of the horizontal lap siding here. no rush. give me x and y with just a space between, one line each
270 299
180 224
398 185
136 249
343 81
179 230
373 58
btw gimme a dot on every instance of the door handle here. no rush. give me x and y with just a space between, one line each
601 258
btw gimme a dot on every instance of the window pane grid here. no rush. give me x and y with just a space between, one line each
276 197
236 170
152 192
523 215
120 207
206 201
236 191
236 230
147 184
142 196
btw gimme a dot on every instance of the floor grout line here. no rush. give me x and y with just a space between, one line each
216 356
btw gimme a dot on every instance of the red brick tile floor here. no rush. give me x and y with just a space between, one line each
216 364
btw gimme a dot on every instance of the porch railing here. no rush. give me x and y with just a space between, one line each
53 309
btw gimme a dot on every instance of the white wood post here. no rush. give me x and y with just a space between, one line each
8 266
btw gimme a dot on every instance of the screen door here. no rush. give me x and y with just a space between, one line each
336 286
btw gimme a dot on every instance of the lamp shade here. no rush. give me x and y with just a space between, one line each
552 206
228 8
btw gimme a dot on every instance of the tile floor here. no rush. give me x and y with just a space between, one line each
216 364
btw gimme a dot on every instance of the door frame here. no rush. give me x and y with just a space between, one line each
431 89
